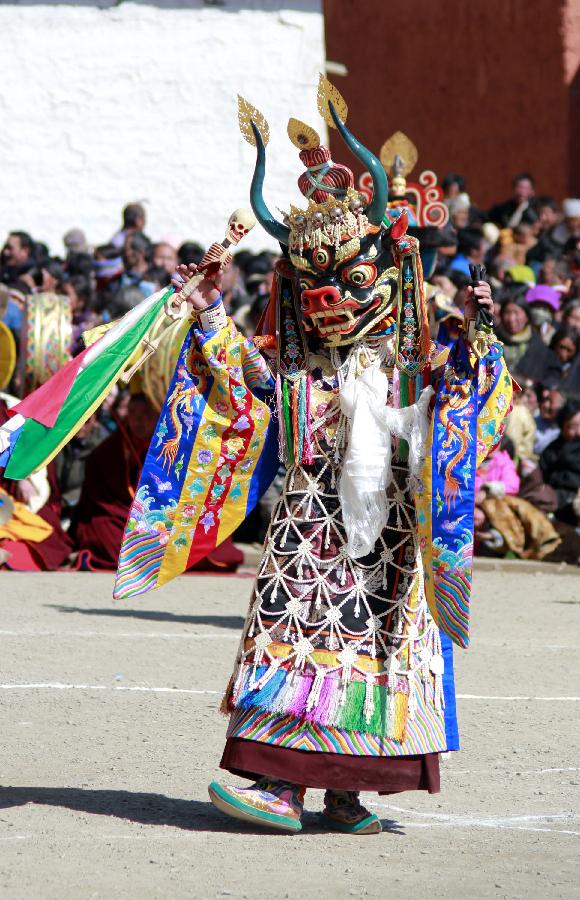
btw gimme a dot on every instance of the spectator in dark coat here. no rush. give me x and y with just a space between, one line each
564 372
560 464
509 214
525 352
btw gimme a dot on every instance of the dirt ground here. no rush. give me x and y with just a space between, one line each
109 734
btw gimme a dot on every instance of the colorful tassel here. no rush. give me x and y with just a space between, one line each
290 689
325 710
315 691
239 682
378 723
369 704
351 715
298 705
325 700
293 399
397 726
272 670
308 451
403 402
302 415
261 697
282 437
295 421
289 455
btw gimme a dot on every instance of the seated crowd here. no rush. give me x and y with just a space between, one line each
528 491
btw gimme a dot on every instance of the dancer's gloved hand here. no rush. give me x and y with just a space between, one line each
478 298
206 292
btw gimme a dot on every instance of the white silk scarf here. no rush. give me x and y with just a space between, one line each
367 470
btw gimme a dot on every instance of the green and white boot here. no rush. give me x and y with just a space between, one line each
271 803
344 812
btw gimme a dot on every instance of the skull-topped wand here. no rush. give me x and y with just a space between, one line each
216 259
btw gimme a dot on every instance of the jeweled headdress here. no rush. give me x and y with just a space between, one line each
328 186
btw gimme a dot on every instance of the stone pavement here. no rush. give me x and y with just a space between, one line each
109 733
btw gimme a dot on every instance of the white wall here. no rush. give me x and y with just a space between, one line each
102 105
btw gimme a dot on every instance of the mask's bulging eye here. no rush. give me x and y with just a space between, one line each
321 258
361 275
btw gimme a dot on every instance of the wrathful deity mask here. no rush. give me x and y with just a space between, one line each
338 249
349 291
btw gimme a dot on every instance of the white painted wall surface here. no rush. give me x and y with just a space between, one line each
101 106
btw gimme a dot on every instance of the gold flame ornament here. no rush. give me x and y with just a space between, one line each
399 155
248 114
327 92
302 135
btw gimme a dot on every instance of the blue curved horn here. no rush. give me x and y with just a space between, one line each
278 231
376 210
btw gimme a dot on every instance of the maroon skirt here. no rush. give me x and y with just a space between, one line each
383 774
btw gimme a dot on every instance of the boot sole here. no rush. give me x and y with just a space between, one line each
231 806
370 825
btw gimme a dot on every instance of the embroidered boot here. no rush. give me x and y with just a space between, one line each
268 802
343 811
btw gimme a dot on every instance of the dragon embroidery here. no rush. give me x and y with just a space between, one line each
180 405
454 399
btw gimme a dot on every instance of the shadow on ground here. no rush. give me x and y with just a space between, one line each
147 809
236 622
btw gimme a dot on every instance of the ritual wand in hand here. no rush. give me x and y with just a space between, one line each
484 319
215 260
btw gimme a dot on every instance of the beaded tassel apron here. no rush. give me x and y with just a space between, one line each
339 654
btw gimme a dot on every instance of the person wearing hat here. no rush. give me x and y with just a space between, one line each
520 275
570 227
544 303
